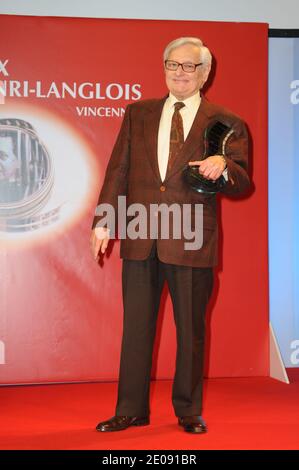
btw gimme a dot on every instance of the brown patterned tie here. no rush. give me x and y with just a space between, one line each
176 134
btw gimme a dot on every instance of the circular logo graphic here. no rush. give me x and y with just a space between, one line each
26 177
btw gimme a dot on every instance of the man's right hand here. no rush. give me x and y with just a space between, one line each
99 241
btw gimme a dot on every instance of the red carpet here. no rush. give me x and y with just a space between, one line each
246 413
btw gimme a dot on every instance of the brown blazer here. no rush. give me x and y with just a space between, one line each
133 171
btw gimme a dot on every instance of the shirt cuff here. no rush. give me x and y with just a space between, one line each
225 174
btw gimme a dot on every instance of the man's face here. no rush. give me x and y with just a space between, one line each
183 84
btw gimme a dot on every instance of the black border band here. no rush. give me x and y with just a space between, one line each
283 33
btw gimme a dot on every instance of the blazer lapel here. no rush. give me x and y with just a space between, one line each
151 130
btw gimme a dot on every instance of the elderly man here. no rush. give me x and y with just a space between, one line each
157 139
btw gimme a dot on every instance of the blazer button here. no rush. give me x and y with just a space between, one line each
162 188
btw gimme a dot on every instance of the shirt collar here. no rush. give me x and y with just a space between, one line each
190 102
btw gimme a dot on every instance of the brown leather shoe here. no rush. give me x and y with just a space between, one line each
193 424
119 423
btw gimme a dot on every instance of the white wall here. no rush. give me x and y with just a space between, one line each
278 13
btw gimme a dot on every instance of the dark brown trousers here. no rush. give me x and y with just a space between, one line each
190 290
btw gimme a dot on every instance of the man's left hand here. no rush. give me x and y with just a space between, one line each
211 167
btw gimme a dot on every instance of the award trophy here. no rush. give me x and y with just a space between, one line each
215 139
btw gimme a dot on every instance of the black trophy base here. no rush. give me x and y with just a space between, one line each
201 184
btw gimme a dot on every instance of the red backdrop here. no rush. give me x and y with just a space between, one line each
61 313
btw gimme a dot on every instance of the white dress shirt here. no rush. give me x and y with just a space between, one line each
188 113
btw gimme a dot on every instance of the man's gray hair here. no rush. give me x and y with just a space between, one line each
204 54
